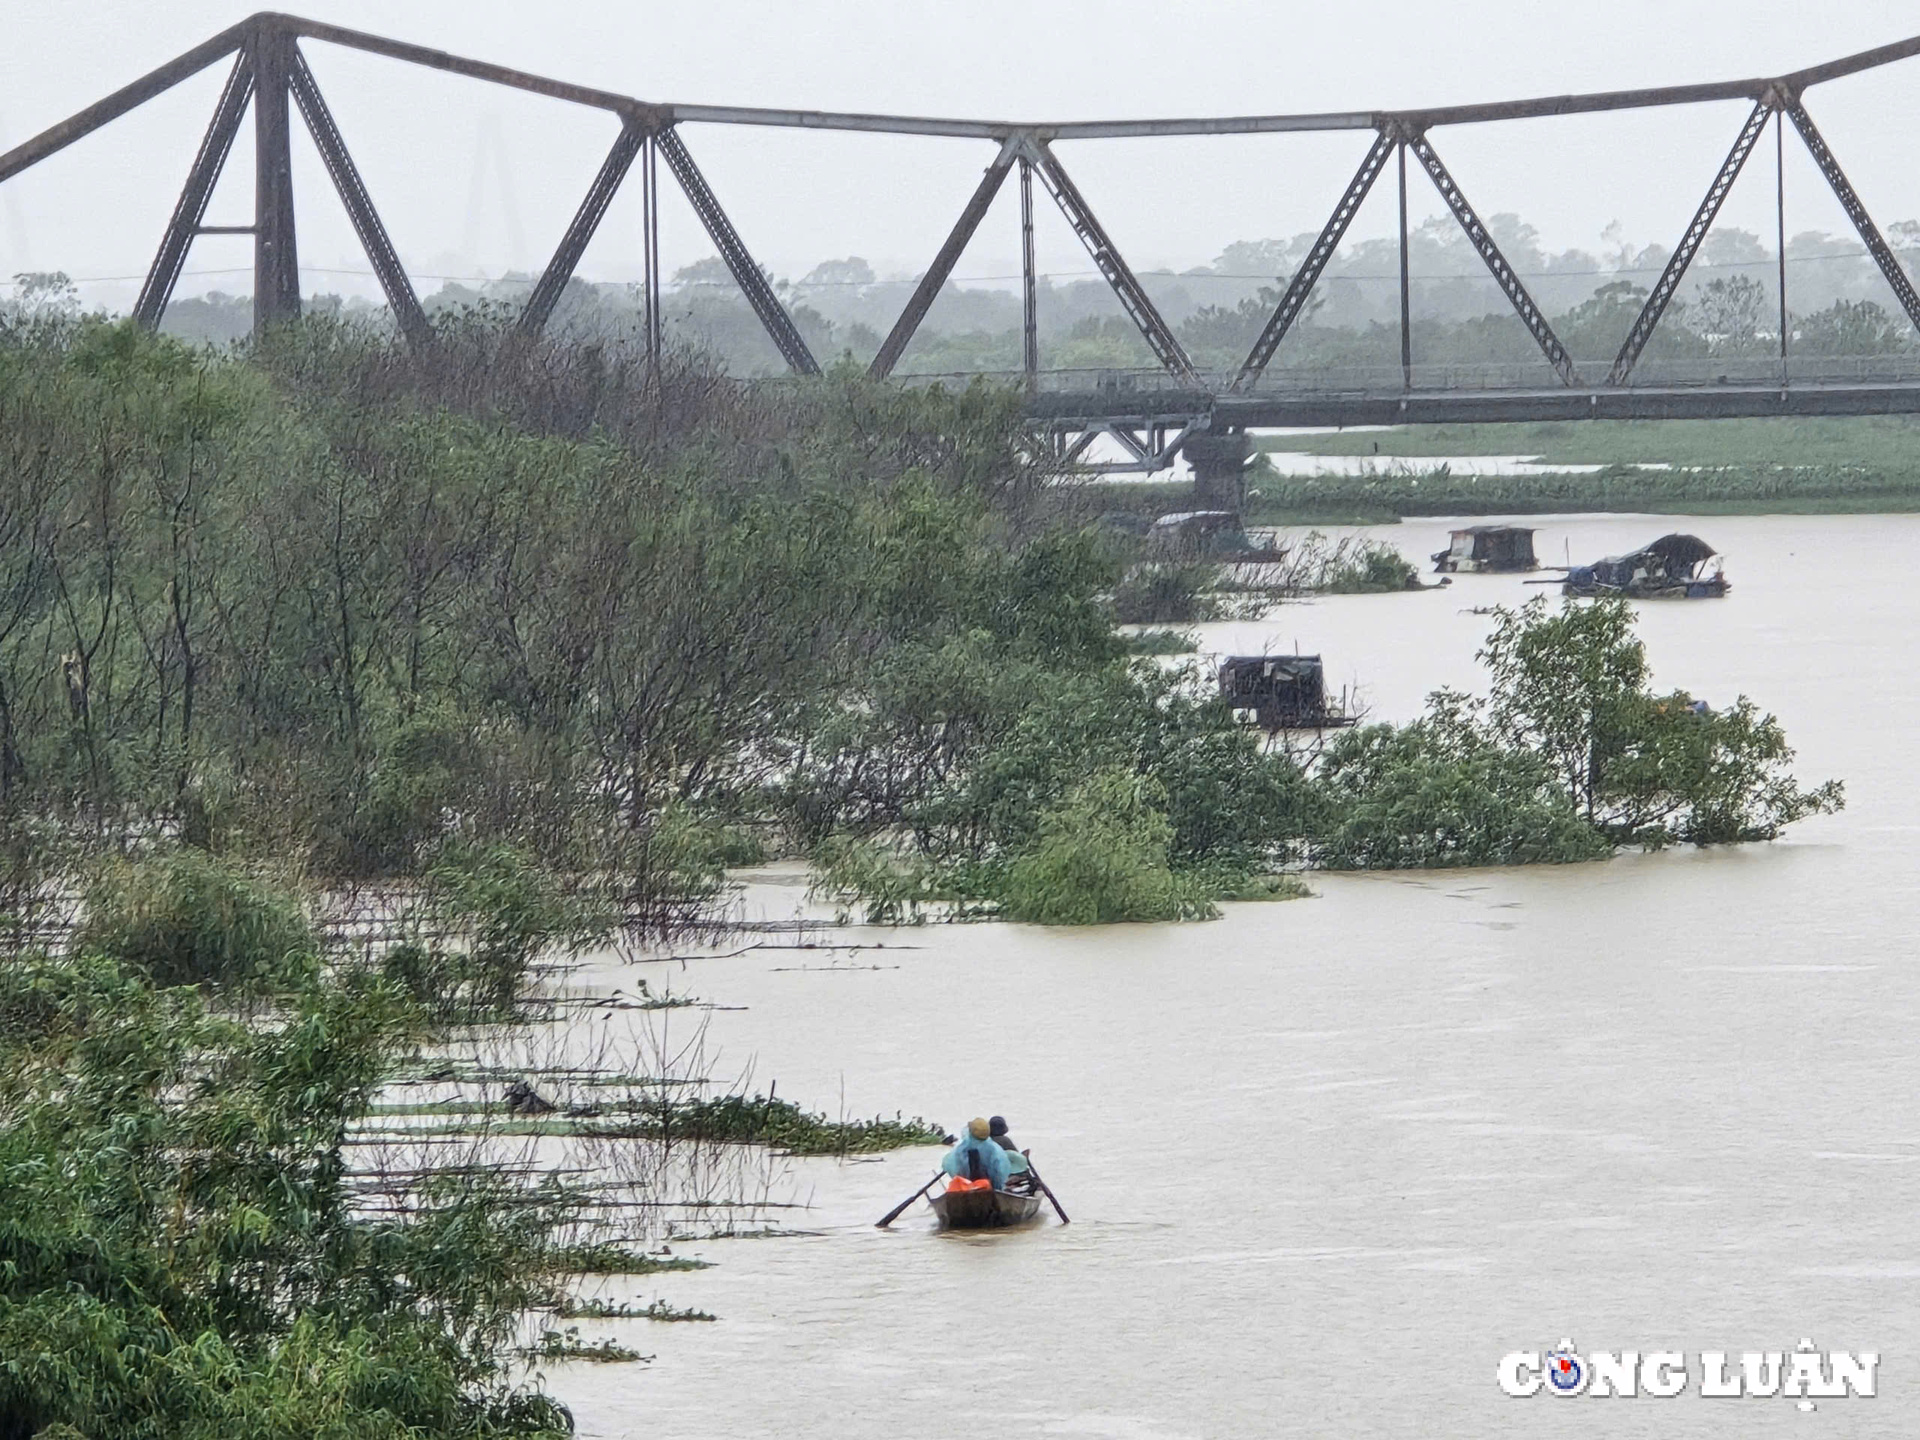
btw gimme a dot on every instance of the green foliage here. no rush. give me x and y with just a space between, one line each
410 793
567 1345
1373 569
1568 685
185 917
1162 642
1265 887
180 1254
1100 859
36 854
1441 792
889 888
1571 756
1754 466
349 605
487 913
1856 327
765 1120
606 1258
1571 687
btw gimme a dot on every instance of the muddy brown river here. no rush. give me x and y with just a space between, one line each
1327 1161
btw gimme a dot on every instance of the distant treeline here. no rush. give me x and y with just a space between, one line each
842 306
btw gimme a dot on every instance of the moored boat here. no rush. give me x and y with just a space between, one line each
983 1209
1674 567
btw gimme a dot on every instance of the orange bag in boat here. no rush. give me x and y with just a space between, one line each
958 1183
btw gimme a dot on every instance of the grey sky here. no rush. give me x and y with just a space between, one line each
434 148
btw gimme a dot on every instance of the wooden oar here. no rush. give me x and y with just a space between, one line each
1046 1191
894 1214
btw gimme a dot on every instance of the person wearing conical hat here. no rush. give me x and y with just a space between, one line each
977 1157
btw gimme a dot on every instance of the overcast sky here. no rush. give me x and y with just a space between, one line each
473 180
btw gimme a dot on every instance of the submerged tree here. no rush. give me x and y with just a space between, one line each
1572 755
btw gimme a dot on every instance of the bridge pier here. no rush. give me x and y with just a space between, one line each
1219 464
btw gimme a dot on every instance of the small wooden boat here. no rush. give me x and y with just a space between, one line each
983 1209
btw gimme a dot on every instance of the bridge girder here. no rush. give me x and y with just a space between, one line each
270 76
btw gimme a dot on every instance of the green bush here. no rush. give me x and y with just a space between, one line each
487 913
1439 793
181 1256
1570 686
406 801
1372 569
1101 859
188 918
889 888
1569 757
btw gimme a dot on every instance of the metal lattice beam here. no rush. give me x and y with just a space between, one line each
1689 245
276 254
191 211
661 115
1304 278
1029 291
1133 299
928 289
650 226
753 284
129 97
566 257
352 190
1502 272
1850 201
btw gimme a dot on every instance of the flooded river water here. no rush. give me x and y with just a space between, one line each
1328 1160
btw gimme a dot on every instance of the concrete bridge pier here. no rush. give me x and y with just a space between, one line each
1219 462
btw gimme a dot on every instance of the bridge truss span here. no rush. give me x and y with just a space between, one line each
1151 417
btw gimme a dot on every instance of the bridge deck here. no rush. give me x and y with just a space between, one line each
1315 408
1693 389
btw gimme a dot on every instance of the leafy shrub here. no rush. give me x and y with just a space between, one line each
183 1257
1439 792
487 913
1162 642
1100 859
1371 569
889 888
1571 756
405 803
765 1120
188 918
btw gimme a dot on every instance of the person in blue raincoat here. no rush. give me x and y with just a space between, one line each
977 1157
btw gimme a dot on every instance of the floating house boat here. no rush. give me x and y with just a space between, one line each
1280 692
1491 548
1674 567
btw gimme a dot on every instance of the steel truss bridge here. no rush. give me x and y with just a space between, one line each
1153 416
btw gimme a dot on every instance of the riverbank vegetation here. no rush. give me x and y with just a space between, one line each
250 1180
1571 756
186 1251
1862 464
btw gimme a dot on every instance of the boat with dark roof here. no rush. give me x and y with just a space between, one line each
1674 567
